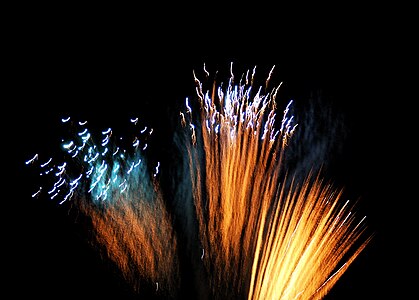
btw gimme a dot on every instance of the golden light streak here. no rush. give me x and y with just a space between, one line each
263 238
300 248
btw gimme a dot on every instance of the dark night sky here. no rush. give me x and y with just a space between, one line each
111 73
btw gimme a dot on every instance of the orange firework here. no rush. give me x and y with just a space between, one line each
264 236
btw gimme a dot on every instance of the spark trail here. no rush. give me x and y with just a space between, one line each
109 183
264 235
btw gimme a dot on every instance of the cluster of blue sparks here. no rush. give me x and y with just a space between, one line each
102 170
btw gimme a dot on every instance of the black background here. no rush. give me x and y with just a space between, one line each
107 70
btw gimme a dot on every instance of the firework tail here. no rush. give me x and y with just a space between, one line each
137 235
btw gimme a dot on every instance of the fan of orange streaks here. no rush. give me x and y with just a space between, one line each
137 235
262 238
307 244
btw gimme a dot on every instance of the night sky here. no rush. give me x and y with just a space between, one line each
106 75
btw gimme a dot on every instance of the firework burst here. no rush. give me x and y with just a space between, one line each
109 184
263 235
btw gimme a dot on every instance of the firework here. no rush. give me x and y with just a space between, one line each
263 234
248 218
109 184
